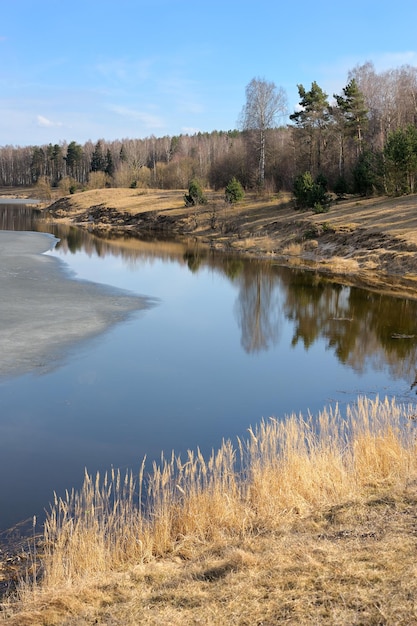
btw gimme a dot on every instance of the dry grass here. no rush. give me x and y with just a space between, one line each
309 521
131 200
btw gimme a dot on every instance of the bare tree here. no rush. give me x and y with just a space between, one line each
264 103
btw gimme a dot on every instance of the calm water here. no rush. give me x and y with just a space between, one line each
229 342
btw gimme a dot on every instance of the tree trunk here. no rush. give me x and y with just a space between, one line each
262 159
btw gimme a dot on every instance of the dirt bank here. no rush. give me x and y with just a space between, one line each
372 242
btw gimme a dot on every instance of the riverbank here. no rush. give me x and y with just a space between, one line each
370 242
44 314
319 535
320 530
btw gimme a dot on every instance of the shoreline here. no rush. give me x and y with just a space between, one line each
17 557
366 242
44 314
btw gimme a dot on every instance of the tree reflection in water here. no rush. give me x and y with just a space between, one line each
362 328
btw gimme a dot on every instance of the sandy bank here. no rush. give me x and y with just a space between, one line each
43 311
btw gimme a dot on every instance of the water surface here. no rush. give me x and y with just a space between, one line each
229 342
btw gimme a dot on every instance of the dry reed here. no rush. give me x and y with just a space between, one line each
285 472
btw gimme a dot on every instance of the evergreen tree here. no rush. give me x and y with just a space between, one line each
312 120
38 163
234 191
367 173
98 162
354 112
195 194
310 193
123 154
401 160
109 169
74 159
56 162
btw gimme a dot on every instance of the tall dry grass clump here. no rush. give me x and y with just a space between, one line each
285 471
300 464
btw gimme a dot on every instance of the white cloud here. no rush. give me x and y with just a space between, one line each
45 123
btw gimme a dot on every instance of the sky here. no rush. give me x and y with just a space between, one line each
80 70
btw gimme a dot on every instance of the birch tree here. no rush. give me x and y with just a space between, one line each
264 103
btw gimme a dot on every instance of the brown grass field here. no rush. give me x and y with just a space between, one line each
311 520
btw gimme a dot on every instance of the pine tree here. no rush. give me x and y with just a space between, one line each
109 169
312 120
401 160
354 112
98 162
73 159
234 191
195 194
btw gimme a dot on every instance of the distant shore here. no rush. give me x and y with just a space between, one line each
371 242
368 242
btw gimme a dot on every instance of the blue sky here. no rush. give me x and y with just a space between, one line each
87 69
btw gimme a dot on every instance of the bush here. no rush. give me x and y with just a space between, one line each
368 173
43 189
310 193
195 194
234 191
341 187
68 185
98 180
319 208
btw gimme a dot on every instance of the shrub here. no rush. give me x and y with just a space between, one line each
43 189
68 185
368 173
234 191
311 194
341 187
195 194
319 208
98 180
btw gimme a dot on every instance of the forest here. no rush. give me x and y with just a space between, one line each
362 140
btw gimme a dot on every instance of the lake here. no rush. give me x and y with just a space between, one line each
228 342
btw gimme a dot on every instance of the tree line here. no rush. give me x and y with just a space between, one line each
362 140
